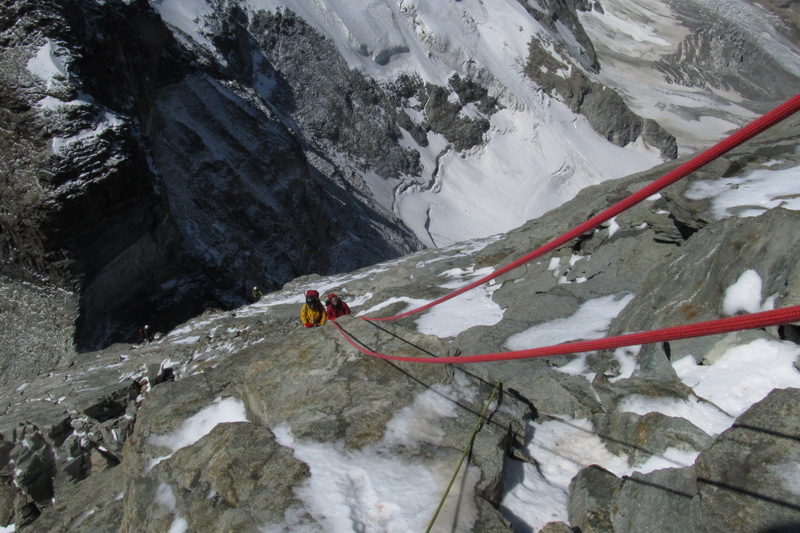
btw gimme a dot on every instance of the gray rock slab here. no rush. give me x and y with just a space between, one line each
748 479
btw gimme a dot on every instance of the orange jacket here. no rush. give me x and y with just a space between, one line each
309 315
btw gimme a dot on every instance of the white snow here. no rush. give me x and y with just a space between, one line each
590 321
191 339
725 389
525 169
744 375
750 194
789 475
375 488
199 425
741 377
534 496
630 37
538 154
186 15
165 497
50 63
411 303
699 412
745 295
472 308
419 422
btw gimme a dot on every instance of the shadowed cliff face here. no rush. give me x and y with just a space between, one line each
153 187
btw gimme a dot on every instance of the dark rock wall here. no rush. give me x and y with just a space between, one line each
188 189
157 178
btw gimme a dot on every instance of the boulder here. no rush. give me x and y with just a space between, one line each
658 501
747 479
591 496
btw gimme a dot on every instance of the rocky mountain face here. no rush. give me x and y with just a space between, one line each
154 187
95 445
716 50
152 178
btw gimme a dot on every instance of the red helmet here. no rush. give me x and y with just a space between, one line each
312 294
331 296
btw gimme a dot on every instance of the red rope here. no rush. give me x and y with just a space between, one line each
775 317
778 114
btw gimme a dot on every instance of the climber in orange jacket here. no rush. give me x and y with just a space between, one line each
312 314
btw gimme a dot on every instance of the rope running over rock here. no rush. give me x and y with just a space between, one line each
725 325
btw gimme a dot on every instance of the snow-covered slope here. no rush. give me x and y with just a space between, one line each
695 98
245 417
536 153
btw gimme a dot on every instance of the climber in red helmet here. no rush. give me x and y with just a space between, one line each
312 314
336 307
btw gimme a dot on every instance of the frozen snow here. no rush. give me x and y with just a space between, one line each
750 194
199 425
590 321
377 489
629 36
699 412
103 122
166 498
536 496
191 339
411 303
50 62
472 308
789 476
745 295
744 375
538 154
420 422
186 15
725 389
525 169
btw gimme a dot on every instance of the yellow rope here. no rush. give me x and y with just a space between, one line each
463 456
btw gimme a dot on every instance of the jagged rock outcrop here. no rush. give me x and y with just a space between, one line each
739 483
155 174
36 328
558 16
605 110
145 185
